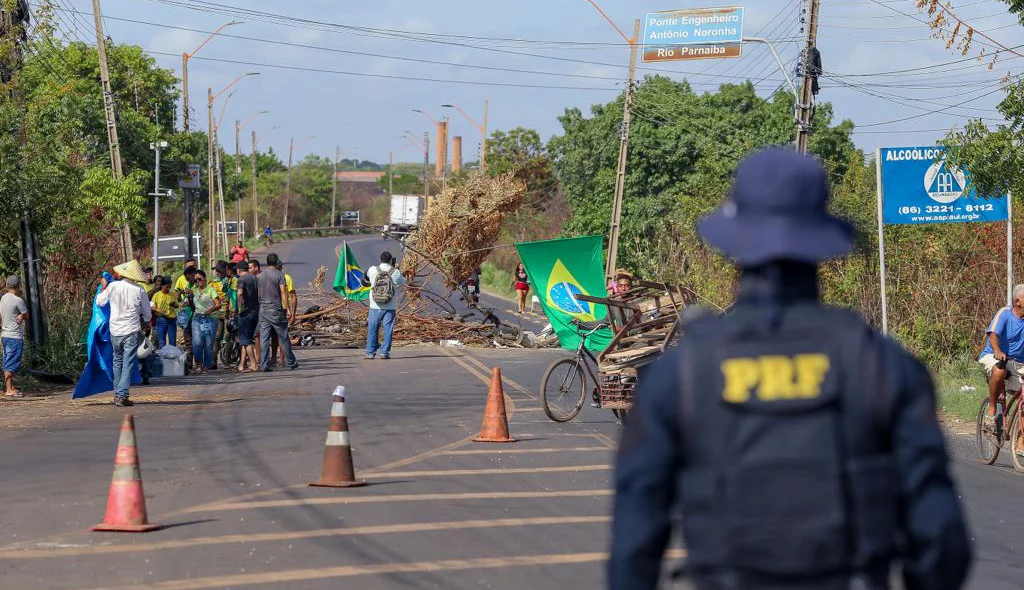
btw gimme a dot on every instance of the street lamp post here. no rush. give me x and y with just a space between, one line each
481 128
238 171
255 204
288 182
184 72
211 131
157 146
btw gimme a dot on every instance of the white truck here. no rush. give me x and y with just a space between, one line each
406 211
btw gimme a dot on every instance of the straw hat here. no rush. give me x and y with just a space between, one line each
132 271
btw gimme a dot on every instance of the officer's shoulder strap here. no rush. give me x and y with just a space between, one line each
867 397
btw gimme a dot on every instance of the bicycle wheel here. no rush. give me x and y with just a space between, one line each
1017 443
230 353
561 390
987 442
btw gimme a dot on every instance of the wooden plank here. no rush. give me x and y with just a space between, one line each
630 352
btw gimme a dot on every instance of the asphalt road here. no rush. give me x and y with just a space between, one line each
225 459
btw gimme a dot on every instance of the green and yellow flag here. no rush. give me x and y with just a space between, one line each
348 281
559 270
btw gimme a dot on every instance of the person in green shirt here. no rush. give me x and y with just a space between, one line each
208 304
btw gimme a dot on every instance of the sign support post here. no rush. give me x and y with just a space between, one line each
1009 248
881 243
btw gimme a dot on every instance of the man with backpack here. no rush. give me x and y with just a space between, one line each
800 447
384 279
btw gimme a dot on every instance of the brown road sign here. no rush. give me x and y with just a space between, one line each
689 52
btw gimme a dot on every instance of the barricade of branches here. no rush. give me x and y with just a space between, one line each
462 224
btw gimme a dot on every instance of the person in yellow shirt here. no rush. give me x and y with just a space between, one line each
165 309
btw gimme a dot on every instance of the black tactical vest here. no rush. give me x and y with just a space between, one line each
788 466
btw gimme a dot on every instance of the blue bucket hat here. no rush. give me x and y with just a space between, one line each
777 211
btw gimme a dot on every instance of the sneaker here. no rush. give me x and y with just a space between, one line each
370 357
123 402
293 367
386 357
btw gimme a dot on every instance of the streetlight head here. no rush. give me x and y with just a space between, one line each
448 106
417 111
252 73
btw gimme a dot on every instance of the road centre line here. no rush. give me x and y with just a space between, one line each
348 571
392 465
322 501
508 380
521 451
418 527
489 471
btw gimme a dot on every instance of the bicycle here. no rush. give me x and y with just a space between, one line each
564 401
230 348
990 438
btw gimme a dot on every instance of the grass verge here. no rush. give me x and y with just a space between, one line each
497 281
961 386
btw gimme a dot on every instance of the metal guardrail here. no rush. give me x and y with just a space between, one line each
283 234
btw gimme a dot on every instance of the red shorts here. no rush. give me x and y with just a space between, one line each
522 286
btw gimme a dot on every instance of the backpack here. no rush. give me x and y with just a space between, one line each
383 289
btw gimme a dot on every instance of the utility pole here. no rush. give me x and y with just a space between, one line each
805 107
14 21
442 154
255 208
620 177
157 146
426 167
184 97
218 150
334 185
483 142
238 177
391 173
288 182
108 104
212 230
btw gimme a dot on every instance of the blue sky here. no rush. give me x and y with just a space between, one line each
861 41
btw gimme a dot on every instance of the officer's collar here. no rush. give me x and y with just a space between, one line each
780 281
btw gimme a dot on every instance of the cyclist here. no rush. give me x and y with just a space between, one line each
269 235
1003 355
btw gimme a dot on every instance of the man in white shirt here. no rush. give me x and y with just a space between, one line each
130 315
383 294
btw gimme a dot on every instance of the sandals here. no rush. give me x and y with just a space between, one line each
15 395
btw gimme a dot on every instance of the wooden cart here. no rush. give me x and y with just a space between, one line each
645 321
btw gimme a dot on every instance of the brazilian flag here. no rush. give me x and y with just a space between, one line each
348 281
559 270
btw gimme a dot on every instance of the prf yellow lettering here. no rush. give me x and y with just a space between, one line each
776 377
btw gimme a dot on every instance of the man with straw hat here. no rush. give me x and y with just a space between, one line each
800 446
130 315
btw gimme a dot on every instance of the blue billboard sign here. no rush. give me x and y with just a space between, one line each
918 187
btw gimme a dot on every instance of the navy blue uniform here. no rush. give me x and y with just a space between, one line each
782 358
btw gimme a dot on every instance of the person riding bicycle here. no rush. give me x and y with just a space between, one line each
1003 355
268 234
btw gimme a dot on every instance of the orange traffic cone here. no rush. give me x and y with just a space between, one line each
495 424
126 504
337 471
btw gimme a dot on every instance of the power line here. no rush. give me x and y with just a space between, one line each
417 60
935 112
387 76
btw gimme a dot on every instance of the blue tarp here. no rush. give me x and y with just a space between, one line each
98 375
